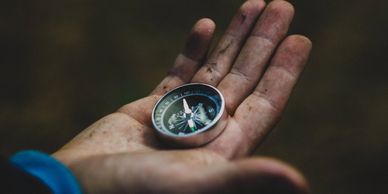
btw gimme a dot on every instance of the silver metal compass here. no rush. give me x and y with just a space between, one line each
189 115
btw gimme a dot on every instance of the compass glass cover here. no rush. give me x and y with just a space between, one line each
188 110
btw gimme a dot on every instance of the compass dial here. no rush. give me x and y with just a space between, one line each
188 110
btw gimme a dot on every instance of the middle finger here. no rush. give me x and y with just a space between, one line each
224 54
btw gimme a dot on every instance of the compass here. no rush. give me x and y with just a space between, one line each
189 115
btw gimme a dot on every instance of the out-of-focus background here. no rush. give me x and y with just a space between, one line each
65 64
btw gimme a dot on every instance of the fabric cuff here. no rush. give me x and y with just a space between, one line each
48 170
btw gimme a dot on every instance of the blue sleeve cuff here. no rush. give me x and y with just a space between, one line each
48 170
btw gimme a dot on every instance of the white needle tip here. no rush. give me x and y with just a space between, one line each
186 107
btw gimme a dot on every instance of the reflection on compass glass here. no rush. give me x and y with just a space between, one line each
188 110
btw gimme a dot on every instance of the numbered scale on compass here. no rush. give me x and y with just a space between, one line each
188 110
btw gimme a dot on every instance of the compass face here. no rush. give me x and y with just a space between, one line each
188 110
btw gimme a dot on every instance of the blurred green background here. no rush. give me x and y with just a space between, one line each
64 64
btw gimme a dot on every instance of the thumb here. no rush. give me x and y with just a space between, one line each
259 175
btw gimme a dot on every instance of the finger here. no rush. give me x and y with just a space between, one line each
270 176
261 110
219 62
270 29
188 62
258 175
249 176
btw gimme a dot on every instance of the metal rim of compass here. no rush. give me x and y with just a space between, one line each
197 138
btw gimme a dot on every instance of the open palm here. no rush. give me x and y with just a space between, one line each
254 65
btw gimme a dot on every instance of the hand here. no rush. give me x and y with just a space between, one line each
255 66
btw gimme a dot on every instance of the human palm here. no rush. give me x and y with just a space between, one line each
255 66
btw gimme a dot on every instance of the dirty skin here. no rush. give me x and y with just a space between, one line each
243 18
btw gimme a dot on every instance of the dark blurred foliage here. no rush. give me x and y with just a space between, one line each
64 64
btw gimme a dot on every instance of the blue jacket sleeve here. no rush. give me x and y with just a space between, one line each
37 172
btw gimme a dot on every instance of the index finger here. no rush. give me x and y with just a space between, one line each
188 62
